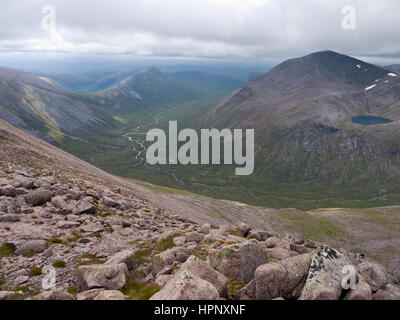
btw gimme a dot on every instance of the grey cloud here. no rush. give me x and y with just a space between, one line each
203 28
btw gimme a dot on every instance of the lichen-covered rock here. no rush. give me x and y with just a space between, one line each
238 261
203 270
187 286
109 277
324 281
284 279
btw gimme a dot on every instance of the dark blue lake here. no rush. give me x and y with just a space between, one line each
370 120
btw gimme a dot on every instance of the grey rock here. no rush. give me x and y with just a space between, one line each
373 274
187 286
89 295
194 237
390 292
8 191
37 246
110 295
363 291
93 227
38 197
67 224
203 270
127 257
284 279
56 294
9 218
109 277
83 207
238 261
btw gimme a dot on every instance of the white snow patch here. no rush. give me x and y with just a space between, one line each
392 74
377 80
358 66
371 87
387 81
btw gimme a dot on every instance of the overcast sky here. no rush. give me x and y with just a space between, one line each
206 29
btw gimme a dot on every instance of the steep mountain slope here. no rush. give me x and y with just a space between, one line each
323 87
42 107
58 210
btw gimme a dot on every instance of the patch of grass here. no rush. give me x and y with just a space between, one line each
6 250
28 253
26 293
234 286
54 240
7 228
36 272
142 256
22 289
233 231
74 291
75 238
134 241
164 244
89 259
2 281
110 230
201 251
59 264
139 291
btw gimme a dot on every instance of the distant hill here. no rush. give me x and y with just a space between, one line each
42 107
307 145
395 67
69 81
